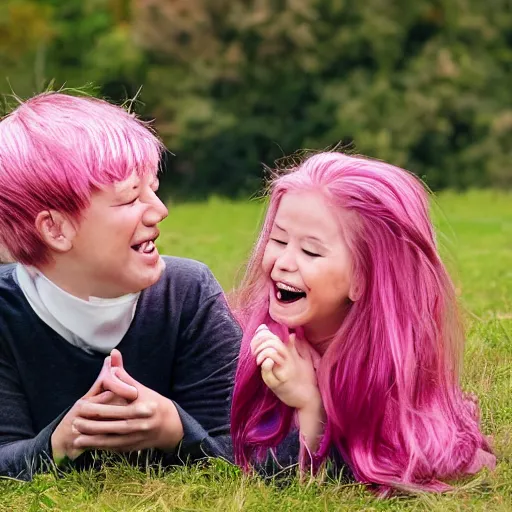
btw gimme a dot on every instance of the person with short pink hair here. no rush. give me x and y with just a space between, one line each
104 344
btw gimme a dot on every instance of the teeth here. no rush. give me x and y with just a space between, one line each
284 286
149 246
279 295
146 247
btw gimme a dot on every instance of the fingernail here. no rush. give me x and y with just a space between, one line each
261 327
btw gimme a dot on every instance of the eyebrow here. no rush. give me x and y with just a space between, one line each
314 239
128 189
308 238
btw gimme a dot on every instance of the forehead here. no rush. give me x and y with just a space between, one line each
307 214
119 191
125 187
131 183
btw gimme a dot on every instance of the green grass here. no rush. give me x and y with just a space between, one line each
475 235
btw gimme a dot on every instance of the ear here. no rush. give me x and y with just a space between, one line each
56 230
354 293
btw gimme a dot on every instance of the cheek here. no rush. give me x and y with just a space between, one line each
125 231
340 285
267 263
328 282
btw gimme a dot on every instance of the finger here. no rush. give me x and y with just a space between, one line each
117 400
116 427
292 343
116 358
269 353
273 342
113 383
97 387
268 376
103 398
75 453
260 338
262 327
297 347
98 411
276 344
110 442
125 377
306 351
140 445
267 365
279 372
107 397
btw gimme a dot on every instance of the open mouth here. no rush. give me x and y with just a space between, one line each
288 294
146 247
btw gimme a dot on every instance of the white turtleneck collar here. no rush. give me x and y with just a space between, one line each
94 325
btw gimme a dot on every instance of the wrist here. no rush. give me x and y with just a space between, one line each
313 404
59 452
311 423
173 428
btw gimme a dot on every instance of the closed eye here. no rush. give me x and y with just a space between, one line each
130 202
280 242
312 254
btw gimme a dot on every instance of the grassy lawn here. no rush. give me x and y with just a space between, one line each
475 236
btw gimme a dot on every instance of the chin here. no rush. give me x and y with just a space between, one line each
291 323
148 277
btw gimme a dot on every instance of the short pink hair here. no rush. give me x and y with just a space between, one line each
55 150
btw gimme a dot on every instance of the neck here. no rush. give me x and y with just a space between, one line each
321 334
320 343
71 279
66 281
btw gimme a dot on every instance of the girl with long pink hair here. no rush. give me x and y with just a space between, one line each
351 332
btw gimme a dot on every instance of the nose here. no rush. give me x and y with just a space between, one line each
156 211
286 261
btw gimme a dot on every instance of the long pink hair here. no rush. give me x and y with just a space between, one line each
389 380
55 150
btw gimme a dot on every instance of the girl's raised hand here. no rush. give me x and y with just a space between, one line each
287 369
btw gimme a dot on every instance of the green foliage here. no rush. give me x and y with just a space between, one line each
233 84
220 233
422 84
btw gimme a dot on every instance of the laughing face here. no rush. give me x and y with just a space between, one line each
114 246
309 266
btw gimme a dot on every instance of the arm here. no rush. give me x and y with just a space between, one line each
311 419
22 452
204 375
194 417
288 370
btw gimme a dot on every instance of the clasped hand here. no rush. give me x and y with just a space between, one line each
117 414
287 369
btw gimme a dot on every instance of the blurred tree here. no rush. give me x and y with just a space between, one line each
421 84
25 33
234 83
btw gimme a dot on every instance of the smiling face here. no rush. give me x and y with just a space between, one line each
113 248
309 266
